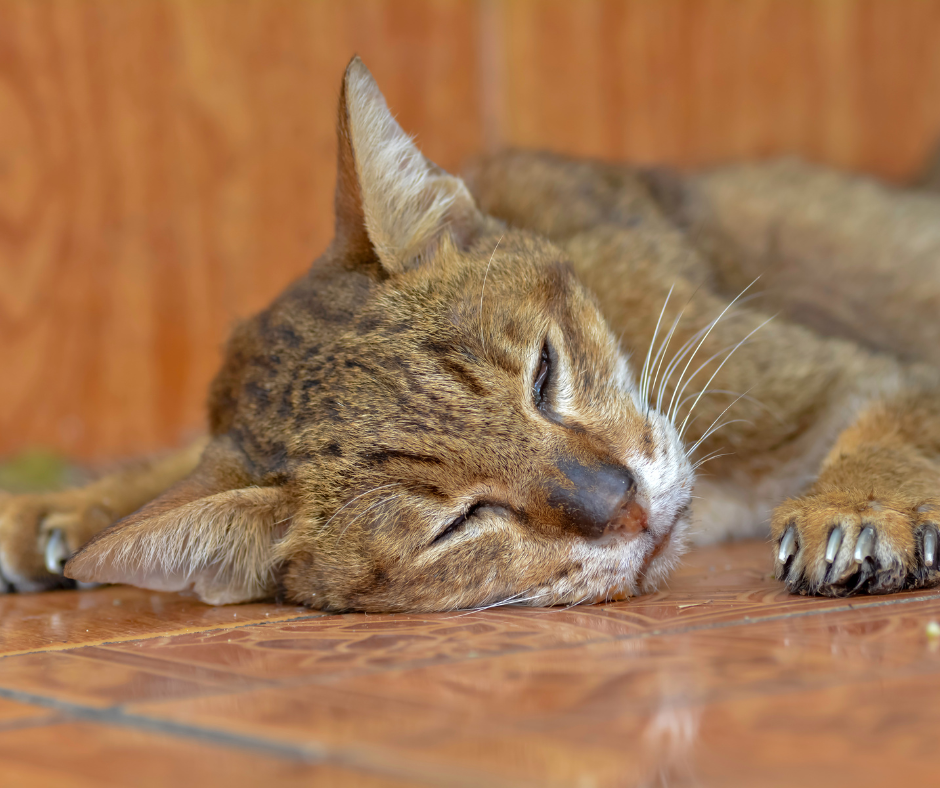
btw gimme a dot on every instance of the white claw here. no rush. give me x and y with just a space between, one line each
864 545
787 545
57 552
833 545
930 546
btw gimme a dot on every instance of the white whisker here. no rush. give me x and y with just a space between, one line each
758 328
644 376
691 377
702 340
738 394
514 599
483 291
730 405
713 430
661 354
353 500
709 457
676 360
686 347
376 505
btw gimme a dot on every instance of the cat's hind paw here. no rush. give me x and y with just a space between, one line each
836 544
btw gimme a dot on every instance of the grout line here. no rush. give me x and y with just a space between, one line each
311 752
115 716
364 759
30 722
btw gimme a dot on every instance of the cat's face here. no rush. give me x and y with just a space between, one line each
487 444
437 417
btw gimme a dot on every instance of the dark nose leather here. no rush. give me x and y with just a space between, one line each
596 499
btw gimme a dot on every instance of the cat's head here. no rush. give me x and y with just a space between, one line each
437 417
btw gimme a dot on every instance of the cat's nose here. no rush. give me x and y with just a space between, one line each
599 499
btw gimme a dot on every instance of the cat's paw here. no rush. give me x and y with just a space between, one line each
38 533
840 543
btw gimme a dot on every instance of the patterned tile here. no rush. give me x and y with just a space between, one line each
595 713
721 679
65 619
344 644
82 676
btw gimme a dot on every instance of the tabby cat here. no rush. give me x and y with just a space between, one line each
499 390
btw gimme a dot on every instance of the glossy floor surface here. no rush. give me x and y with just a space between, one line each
721 679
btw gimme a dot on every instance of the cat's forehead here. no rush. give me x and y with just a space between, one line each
516 285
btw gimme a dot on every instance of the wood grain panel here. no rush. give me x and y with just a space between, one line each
166 166
691 82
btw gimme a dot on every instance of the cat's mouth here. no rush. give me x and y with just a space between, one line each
667 549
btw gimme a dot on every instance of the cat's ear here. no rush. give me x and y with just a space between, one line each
390 199
212 533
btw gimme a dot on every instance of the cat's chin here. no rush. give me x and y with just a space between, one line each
619 567
662 558
665 557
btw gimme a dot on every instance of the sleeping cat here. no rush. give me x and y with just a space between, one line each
504 398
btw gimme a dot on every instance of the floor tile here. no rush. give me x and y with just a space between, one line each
86 676
65 619
586 713
343 644
13 713
883 732
95 755
717 587
720 679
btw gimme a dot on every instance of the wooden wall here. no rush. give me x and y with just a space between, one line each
167 166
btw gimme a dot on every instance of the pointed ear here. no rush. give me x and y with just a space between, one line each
389 198
211 532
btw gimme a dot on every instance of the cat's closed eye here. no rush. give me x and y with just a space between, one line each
542 377
457 524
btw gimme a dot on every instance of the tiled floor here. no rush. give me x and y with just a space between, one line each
722 679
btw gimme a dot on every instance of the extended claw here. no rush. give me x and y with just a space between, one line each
833 545
930 547
864 545
787 545
57 552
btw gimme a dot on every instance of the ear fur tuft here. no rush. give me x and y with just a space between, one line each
219 546
407 202
212 533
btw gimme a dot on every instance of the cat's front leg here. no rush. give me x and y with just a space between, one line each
871 522
38 533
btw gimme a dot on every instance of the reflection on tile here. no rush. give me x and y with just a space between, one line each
720 586
340 644
80 676
87 754
883 732
64 619
721 679
594 712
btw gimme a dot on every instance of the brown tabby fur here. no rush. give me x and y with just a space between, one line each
390 393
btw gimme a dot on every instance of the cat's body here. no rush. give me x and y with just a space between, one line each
441 413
